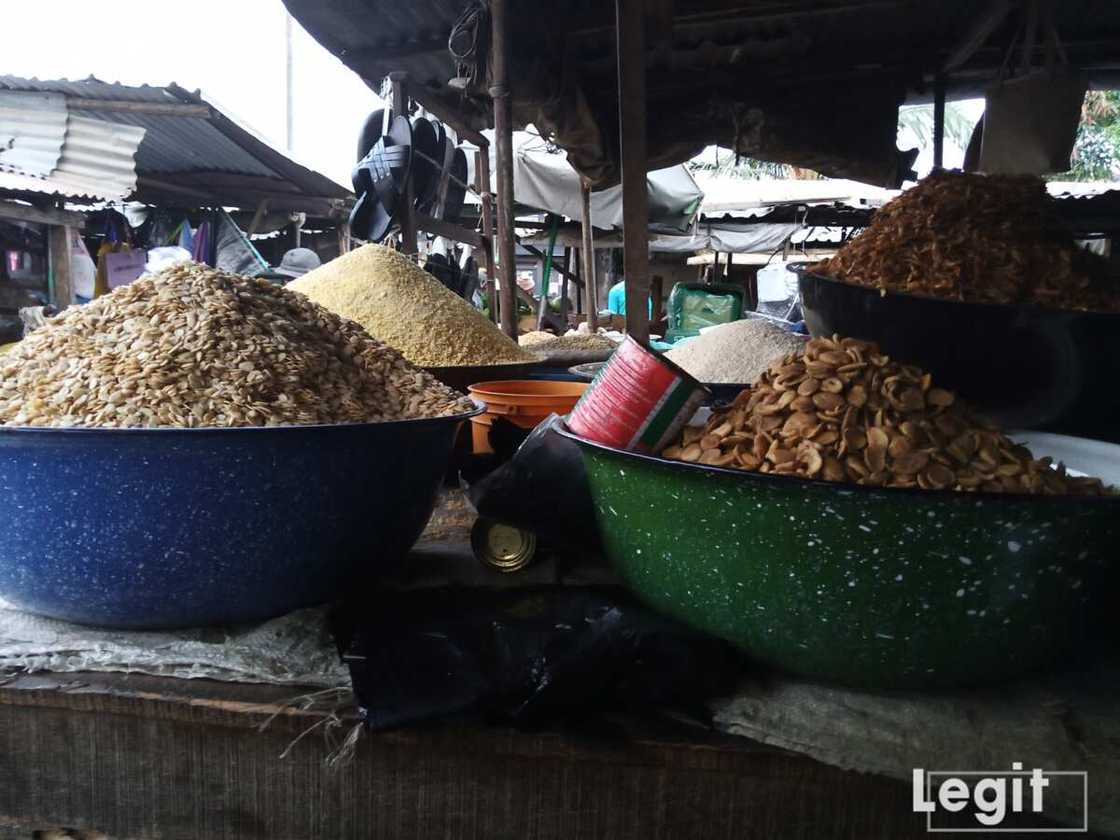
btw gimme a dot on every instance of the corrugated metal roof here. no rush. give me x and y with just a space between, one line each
58 152
185 144
90 88
32 129
187 139
100 155
173 143
56 185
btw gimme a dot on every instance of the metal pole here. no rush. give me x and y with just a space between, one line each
630 23
482 168
289 77
406 214
570 264
590 280
939 122
503 136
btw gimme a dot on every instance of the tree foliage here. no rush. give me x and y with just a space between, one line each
1096 152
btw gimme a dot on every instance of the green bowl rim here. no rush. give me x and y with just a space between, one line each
835 486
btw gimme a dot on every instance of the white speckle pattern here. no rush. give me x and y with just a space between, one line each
863 586
208 526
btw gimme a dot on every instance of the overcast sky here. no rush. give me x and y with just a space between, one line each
232 49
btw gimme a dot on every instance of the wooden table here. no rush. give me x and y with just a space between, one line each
146 757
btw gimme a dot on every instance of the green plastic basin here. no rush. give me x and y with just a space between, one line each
871 587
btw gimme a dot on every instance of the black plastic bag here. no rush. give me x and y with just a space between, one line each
529 657
542 488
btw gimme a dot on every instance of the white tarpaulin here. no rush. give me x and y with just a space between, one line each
545 180
725 237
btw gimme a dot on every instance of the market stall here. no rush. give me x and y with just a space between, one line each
158 160
257 580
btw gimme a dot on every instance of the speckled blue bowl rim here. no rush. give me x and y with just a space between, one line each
167 431
791 481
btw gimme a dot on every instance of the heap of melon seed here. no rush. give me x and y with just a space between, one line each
844 411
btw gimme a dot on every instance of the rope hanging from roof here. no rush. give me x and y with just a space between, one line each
469 43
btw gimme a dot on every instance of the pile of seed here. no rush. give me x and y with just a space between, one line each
977 238
545 342
403 306
843 411
736 353
193 347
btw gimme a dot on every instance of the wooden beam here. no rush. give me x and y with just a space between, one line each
539 254
439 227
482 183
535 305
439 108
164 109
231 182
155 190
258 216
630 25
405 212
503 134
144 182
1030 35
591 282
58 252
980 28
701 12
381 53
41 215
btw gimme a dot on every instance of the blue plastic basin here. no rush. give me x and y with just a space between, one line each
157 528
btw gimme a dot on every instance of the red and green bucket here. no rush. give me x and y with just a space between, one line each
639 401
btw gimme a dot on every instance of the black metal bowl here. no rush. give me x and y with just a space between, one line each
463 376
1023 366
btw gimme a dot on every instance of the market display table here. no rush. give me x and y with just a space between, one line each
136 756
141 757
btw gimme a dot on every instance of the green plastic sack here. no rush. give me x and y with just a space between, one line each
693 306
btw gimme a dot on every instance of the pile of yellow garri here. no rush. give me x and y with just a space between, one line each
401 305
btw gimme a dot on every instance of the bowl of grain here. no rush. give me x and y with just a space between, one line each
973 278
850 521
199 448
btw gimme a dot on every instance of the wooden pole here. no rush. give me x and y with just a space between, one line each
503 139
399 83
590 281
542 304
939 122
579 286
482 171
58 252
630 26
570 262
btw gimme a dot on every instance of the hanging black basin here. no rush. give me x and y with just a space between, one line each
1023 366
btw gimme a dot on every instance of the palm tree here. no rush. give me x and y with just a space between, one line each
918 119
718 162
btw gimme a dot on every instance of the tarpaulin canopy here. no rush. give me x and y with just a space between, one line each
543 178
